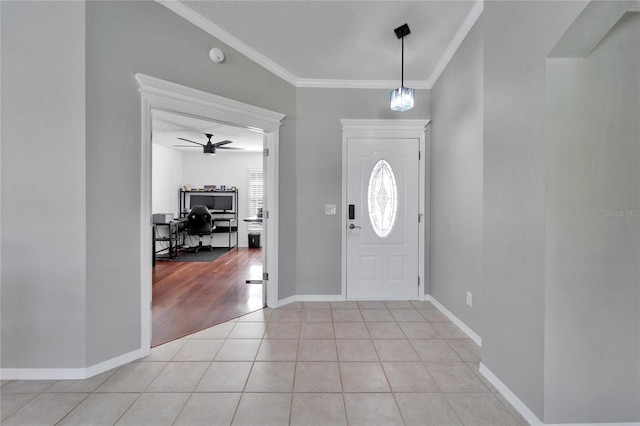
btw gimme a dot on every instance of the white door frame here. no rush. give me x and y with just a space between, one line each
161 94
391 129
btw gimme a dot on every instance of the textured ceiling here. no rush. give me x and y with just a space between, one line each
320 41
168 127
342 40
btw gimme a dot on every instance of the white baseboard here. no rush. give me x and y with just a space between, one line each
461 325
520 406
285 301
501 387
510 396
318 298
114 362
339 298
68 373
594 424
43 373
311 298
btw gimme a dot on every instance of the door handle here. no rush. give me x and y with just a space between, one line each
352 226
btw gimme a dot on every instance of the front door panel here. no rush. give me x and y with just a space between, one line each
382 236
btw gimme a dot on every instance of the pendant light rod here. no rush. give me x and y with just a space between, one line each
402 66
401 31
402 99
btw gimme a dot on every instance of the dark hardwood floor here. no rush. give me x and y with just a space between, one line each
192 296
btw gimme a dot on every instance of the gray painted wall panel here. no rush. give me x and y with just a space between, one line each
518 38
125 38
456 182
592 331
319 175
43 191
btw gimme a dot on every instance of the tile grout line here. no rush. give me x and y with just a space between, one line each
128 408
298 339
344 401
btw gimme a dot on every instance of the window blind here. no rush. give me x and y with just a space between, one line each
256 191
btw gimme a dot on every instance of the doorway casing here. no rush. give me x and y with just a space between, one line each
168 96
392 129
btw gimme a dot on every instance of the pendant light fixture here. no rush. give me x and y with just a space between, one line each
402 97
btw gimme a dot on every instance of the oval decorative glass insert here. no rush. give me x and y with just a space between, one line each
382 198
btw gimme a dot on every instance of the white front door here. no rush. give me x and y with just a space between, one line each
382 219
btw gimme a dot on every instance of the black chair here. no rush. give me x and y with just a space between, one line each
200 224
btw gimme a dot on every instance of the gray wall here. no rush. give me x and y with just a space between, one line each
125 38
517 38
166 178
456 182
71 292
103 291
43 185
319 175
592 316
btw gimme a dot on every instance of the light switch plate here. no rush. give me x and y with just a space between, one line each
329 209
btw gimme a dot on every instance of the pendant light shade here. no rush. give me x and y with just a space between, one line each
402 99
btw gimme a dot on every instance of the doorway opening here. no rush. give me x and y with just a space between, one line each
204 274
161 95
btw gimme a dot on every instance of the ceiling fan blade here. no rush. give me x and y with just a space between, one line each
185 146
225 142
187 140
230 147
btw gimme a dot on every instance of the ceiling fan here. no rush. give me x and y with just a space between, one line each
209 147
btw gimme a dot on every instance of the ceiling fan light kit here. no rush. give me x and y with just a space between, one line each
402 98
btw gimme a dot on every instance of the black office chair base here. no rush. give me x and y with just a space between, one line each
199 247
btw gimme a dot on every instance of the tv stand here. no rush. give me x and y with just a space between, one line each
225 233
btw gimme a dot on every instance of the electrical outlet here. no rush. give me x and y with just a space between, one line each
330 209
469 299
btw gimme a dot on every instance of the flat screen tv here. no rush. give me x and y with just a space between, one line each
223 203
201 200
216 203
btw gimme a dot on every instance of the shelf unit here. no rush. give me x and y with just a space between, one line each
174 236
226 223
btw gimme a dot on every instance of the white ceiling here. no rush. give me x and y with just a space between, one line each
168 127
326 43
315 43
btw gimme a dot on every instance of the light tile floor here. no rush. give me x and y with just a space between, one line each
311 363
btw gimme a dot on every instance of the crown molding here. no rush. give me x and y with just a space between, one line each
457 40
358 84
201 22
166 93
